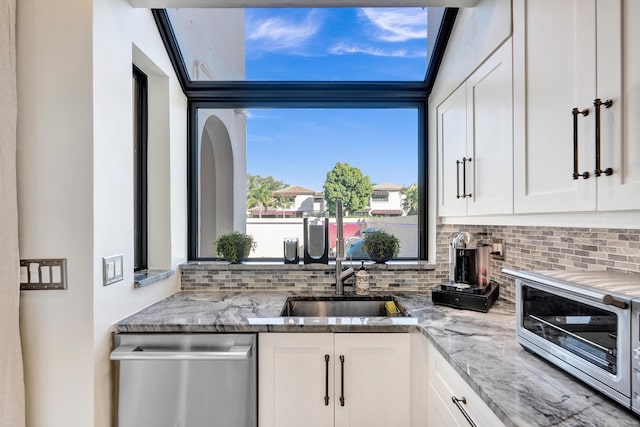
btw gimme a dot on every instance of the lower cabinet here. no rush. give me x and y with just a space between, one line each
326 379
450 400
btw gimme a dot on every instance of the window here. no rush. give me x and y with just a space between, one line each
218 55
140 130
380 197
288 155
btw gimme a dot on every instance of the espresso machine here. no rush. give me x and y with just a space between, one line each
469 285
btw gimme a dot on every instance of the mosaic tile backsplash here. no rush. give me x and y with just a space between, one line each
552 248
526 248
302 278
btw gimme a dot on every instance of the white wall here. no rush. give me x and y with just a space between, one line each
235 122
394 201
75 175
269 233
211 55
55 160
478 31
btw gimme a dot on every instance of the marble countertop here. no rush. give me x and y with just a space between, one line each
522 389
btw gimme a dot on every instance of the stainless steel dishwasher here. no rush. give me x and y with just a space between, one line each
186 380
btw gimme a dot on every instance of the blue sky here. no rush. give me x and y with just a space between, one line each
301 146
336 44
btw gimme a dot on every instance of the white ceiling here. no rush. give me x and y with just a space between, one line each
169 4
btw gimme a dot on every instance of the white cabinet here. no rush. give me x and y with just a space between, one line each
567 54
445 388
293 380
324 379
618 72
452 149
475 141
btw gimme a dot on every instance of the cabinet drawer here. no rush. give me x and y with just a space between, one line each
446 383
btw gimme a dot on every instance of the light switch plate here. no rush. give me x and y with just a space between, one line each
43 274
112 269
497 249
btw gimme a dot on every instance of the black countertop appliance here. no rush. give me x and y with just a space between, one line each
470 285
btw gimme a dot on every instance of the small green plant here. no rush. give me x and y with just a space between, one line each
235 246
381 246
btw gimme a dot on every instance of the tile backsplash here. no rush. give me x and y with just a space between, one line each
526 248
552 248
302 278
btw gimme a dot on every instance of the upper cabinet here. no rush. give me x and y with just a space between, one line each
576 105
618 71
475 141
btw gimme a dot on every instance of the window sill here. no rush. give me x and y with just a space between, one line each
279 266
147 277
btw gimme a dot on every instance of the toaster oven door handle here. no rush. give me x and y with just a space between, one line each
610 300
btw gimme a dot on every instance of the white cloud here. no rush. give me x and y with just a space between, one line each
397 24
343 48
277 33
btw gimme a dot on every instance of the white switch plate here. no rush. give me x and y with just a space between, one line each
112 269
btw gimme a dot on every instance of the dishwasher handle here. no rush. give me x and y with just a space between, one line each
130 352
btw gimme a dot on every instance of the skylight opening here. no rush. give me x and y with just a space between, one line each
315 44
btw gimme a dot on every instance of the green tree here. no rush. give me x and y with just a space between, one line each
260 190
255 181
282 202
410 200
261 196
349 184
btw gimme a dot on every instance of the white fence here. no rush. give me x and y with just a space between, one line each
269 233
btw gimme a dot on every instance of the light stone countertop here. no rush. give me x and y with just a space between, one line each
522 389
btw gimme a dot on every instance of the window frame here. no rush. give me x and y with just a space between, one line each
296 94
140 203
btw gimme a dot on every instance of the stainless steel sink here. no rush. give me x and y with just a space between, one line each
340 307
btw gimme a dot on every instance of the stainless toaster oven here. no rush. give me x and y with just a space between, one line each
586 323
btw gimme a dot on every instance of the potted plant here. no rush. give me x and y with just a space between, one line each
381 246
235 246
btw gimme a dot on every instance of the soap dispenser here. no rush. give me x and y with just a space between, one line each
362 281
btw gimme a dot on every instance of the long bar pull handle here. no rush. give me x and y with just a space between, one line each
341 380
137 353
575 113
457 401
458 179
326 380
607 104
464 176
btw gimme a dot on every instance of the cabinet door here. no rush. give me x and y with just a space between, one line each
419 378
439 410
374 381
452 147
619 80
292 373
490 135
444 384
554 72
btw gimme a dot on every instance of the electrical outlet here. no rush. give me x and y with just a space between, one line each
43 274
497 249
112 269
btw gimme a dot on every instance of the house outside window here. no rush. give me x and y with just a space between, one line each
386 200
